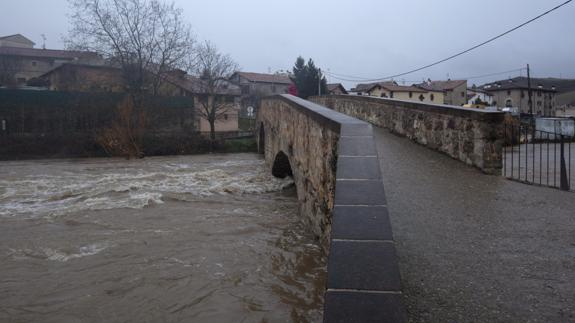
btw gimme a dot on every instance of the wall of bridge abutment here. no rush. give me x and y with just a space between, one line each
472 136
335 167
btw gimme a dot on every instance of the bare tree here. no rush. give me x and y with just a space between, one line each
147 38
9 67
213 69
123 137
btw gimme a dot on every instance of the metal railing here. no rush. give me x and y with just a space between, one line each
538 157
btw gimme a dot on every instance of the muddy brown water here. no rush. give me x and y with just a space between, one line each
169 239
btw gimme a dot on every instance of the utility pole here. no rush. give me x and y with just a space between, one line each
529 92
319 81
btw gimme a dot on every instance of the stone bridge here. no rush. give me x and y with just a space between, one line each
476 249
334 163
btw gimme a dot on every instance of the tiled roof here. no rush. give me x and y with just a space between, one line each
545 84
390 86
18 37
440 86
334 86
76 64
48 53
265 78
364 87
197 86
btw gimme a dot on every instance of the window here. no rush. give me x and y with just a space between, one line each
522 94
538 103
246 89
431 97
225 117
33 63
508 92
508 103
538 93
273 88
421 97
462 94
391 94
410 94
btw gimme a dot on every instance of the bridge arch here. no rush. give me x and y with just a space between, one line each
281 167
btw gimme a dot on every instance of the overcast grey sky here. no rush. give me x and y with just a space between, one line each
371 38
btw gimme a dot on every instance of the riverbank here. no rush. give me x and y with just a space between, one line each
82 147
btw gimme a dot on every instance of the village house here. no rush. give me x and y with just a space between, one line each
393 90
476 95
514 93
336 88
74 77
364 88
565 96
261 84
20 62
255 86
227 94
16 40
454 92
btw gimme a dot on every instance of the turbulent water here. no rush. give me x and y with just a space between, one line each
169 239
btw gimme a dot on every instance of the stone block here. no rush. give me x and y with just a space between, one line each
357 146
358 168
361 223
364 192
358 307
370 266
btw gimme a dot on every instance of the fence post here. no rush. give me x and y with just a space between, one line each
564 180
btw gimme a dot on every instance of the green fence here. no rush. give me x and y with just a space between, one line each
50 123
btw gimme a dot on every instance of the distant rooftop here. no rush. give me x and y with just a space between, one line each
521 82
47 53
18 38
364 87
440 86
390 86
265 78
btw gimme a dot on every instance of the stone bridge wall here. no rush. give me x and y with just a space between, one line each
472 136
335 167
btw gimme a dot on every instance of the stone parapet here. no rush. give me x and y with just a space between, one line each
472 136
336 171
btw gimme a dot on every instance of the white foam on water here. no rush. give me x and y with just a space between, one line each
130 185
85 251
59 255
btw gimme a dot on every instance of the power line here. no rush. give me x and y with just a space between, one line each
494 74
460 53
464 78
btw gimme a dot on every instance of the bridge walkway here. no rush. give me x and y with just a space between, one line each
473 247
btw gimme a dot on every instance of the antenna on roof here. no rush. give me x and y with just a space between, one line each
43 41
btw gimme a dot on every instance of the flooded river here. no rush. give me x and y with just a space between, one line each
209 238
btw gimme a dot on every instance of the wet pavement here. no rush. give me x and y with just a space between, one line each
473 247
